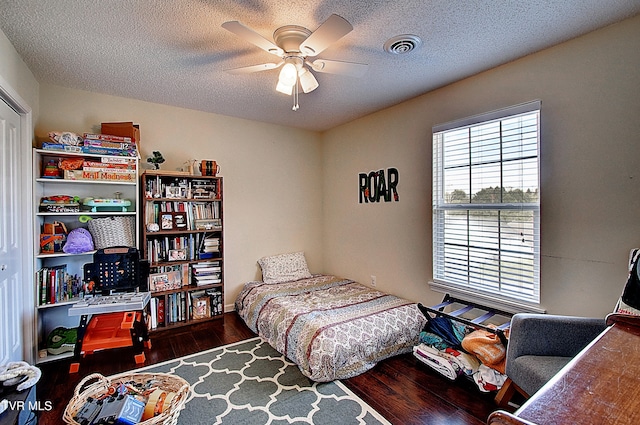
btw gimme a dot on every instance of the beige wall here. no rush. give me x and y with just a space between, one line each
272 198
288 189
590 173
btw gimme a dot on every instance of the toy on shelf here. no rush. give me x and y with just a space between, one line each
60 204
107 204
51 170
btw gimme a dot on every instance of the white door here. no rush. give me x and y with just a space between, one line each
11 282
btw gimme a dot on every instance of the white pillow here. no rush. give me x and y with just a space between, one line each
284 267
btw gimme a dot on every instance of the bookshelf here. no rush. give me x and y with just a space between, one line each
58 275
182 238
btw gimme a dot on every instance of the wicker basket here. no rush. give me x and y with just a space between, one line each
113 231
169 383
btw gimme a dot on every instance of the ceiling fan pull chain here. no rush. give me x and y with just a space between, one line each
295 96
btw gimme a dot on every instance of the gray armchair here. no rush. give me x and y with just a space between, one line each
539 346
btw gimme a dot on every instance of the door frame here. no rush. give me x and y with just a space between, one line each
27 313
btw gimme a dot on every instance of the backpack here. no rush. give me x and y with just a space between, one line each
78 241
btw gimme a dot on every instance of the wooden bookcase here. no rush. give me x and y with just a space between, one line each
182 238
58 275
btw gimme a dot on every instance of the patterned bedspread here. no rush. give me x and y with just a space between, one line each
332 328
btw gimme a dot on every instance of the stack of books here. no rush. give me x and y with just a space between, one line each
207 273
211 244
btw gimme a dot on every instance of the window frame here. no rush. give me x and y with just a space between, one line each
505 299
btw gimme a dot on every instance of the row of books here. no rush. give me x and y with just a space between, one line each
56 285
182 188
178 248
183 216
194 210
167 278
175 308
165 311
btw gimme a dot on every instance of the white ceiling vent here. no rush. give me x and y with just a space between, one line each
402 44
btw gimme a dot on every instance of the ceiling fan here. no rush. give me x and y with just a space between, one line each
295 45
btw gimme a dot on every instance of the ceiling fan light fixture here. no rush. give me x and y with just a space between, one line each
288 74
307 80
284 88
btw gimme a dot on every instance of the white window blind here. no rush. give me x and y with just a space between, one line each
486 204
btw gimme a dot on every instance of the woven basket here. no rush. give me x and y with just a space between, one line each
164 381
113 231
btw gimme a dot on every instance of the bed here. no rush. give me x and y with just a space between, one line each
331 327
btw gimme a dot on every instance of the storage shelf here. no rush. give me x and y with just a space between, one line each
66 154
181 324
159 244
189 288
179 232
183 200
79 213
50 316
67 303
63 254
53 357
174 263
111 182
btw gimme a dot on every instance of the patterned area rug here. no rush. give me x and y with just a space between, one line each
251 383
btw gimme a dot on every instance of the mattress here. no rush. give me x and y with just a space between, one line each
331 327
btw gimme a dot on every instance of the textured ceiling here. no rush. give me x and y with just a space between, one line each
175 52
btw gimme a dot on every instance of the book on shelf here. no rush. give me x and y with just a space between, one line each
161 312
56 285
215 300
201 271
153 313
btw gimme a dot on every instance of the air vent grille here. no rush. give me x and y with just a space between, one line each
402 44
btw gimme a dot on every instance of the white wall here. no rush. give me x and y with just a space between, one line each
16 74
272 174
590 173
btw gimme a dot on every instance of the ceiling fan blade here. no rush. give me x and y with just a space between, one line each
330 31
243 31
338 67
254 68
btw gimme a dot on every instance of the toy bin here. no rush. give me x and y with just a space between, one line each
167 395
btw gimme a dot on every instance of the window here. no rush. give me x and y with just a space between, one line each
486 205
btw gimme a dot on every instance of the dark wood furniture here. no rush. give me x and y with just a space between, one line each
601 385
181 235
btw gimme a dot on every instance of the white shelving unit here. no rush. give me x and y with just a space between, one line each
52 315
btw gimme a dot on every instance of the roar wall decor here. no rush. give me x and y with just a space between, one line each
377 185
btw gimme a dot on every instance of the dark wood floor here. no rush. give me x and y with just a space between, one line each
402 389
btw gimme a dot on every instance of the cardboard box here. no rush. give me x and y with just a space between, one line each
124 129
